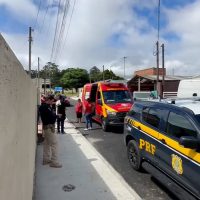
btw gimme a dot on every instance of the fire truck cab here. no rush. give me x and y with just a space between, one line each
111 100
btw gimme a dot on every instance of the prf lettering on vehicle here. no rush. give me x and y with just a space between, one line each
147 146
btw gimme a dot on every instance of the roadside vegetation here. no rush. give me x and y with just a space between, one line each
70 78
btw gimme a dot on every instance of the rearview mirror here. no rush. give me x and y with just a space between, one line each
189 142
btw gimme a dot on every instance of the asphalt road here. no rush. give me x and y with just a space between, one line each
111 146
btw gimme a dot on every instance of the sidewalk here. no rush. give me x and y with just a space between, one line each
85 174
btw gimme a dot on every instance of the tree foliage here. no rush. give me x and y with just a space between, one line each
95 74
74 78
51 71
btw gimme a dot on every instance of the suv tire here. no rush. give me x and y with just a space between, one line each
133 154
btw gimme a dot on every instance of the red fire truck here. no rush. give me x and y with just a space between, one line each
112 101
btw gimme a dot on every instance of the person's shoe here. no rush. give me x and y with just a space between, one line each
63 132
85 129
46 162
58 132
55 165
90 128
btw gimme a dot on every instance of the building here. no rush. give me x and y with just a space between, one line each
146 80
44 84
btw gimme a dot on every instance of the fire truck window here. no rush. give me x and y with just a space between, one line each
117 97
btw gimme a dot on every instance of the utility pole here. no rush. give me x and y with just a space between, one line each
103 74
157 50
163 67
30 41
124 66
45 76
90 77
38 77
110 73
157 61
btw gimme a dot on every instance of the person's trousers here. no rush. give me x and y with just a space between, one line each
88 118
60 124
50 149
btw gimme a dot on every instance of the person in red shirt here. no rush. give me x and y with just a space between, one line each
88 111
79 109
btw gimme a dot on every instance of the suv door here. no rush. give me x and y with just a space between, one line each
182 164
151 119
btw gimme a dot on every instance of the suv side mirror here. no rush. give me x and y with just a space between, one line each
189 142
99 101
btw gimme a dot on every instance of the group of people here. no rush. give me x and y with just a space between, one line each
48 117
59 108
88 111
52 110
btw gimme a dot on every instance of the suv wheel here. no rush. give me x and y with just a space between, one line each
133 154
104 125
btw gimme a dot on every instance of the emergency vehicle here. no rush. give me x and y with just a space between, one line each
111 101
164 139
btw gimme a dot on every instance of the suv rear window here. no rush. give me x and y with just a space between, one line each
179 126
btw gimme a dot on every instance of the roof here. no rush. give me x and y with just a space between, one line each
154 78
191 104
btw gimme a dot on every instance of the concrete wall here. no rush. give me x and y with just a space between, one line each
17 128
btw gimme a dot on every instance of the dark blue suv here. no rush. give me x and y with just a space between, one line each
164 139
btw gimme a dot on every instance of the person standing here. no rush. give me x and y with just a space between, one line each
61 114
88 110
79 109
50 149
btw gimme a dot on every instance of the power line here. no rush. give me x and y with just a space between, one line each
62 29
69 23
46 11
56 29
37 14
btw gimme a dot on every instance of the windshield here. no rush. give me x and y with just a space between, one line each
118 96
141 95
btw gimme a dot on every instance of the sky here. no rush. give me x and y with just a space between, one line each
101 32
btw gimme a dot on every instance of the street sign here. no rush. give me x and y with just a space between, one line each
58 89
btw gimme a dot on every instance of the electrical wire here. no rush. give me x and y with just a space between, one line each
56 30
69 25
62 30
46 11
36 20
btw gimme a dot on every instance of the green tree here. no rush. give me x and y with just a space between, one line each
108 75
52 72
74 78
94 74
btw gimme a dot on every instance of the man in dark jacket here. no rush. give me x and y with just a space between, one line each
61 114
50 150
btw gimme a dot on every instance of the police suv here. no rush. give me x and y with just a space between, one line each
164 139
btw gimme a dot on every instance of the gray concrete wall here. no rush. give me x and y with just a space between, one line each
17 128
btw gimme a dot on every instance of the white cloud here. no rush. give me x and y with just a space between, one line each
184 22
89 42
22 9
